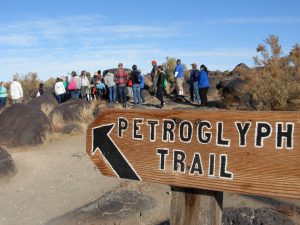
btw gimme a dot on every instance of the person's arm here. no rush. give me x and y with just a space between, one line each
21 90
176 71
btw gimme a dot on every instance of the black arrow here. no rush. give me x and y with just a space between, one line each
103 142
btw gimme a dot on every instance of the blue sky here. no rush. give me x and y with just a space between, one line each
55 37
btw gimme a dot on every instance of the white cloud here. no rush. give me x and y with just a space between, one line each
17 40
263 20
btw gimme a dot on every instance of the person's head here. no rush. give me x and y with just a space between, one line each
120 66
83 73
203 67
96 74
15 78
134 67
73 74
99 72
2 83
194 65
58 79
160 68
153 62
178 61
41 85
98 81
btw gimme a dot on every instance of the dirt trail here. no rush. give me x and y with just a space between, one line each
51 180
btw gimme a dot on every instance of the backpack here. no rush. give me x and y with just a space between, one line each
72 85
137 78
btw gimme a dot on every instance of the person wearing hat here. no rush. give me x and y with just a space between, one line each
179 76
16 91
193 82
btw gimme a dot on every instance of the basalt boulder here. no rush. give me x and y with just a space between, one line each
46 100
7 166
23 125
233 93
70 111
124 206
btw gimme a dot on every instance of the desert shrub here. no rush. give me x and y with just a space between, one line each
49 84
275 80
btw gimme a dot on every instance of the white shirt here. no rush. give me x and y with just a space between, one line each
84 81
16 90
59 88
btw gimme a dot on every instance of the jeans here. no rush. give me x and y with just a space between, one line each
196 91
2 101
136 94
122 90
112 92
75 94
60 98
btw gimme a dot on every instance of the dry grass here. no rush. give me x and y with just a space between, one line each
57 121
47 108
86 114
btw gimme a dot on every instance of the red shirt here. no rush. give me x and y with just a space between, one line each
121 77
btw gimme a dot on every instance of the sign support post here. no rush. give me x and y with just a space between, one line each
191 206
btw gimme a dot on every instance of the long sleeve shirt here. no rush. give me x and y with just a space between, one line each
16 90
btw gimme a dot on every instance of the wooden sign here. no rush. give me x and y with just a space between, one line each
245 152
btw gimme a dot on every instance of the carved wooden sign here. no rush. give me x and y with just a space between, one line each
245 152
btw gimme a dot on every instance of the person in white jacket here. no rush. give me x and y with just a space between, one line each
60 90
16 91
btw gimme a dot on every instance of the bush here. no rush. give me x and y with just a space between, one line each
274 83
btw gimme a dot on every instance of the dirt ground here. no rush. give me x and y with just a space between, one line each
58 177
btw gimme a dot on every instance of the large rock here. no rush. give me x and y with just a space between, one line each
233 93
48 100
248 216
124 206
7 166
22 125
70 111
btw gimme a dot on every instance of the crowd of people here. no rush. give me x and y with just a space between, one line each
117 85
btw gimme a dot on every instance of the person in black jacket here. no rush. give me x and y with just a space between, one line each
160 85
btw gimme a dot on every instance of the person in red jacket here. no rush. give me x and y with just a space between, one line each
121 79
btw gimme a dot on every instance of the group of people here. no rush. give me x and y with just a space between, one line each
115 86
198 81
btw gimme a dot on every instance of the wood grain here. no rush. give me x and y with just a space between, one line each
265 171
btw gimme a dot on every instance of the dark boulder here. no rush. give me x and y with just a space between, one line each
72 128
47 99
7 166
249 216
234 93
22 125
124 206
70 111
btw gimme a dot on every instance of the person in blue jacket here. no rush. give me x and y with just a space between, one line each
203 83
179 76
142 85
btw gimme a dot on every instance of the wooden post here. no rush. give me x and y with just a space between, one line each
196 207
